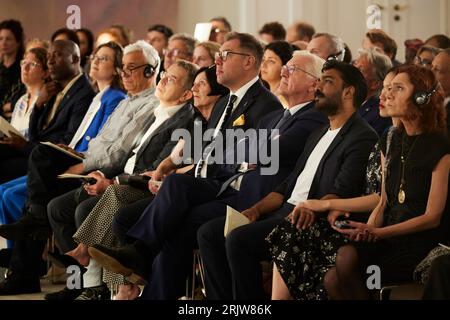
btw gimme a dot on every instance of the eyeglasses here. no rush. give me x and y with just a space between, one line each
129 71
223 55
31 64
167 77
422 62
336 56
174 52
291 69
100 59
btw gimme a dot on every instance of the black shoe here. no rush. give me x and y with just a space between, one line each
64 294
64 261
95 293
15 284
5 256
27 227
127 261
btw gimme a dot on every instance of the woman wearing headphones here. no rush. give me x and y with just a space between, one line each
410 217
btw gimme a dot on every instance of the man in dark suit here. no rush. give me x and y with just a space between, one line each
294 125
374 66
332 165
57 112
238 65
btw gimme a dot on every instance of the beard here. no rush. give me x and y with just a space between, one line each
327 105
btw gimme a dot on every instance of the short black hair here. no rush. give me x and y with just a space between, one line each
216 88
248 42
282 49
352 77
275 29
166 31
71 35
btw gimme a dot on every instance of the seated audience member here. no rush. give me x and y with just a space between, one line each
300 32
440 41
425 56
204 53
379 39
305 249
242 109
374 67
34 71
181 46
105 67
276 55
272 31
12 49
411 48
116 140
220 27
174 262
86 39
158 36
65 34
57 112
206 93
327 46
441 68
332 165
409 219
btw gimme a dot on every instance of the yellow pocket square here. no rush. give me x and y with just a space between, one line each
239 121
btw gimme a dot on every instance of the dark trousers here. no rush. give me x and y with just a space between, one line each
233 265
438 285
126 217
167 212
66 213
173 264
45 164
13 164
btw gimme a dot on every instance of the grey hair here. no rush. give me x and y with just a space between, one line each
381 63
150 53
335 44
189 40
316 63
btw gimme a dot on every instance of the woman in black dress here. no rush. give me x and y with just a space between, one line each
409 219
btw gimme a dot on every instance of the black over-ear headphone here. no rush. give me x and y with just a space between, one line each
149 70
421 98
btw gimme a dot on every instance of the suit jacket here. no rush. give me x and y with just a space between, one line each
67 118
370 111
292 137
342 169
158 145
256 103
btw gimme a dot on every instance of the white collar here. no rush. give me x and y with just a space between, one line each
297 107
166 112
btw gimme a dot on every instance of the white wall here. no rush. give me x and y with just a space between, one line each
345 18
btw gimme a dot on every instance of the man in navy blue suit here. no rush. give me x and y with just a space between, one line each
332 165
374 66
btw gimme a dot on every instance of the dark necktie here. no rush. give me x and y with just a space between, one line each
210 146
286 116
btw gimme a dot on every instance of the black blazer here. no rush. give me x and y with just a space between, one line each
256 103
158 145
370 111
67 118
293 135
342 169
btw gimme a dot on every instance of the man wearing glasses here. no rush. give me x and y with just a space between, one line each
181 46
220 27
327 46
238 64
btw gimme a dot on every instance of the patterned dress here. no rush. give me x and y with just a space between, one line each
303 257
